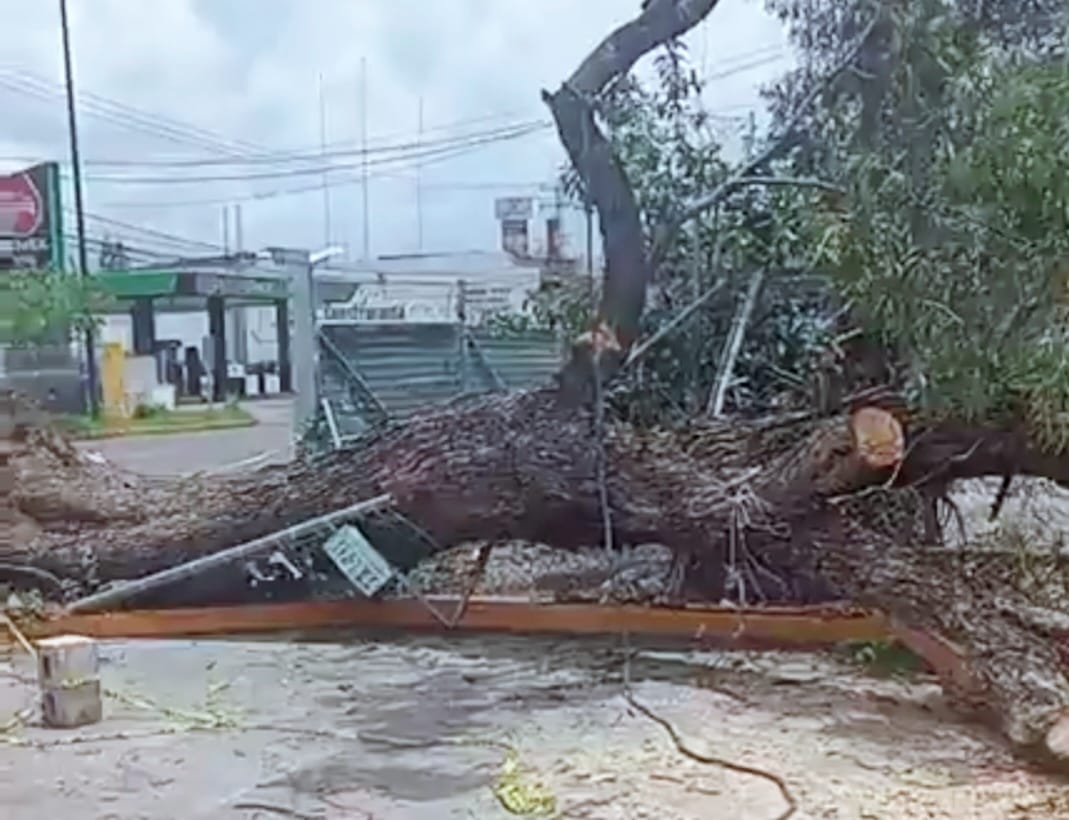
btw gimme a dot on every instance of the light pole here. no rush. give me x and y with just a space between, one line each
79 207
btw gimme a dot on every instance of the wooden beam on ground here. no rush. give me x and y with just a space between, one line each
794 627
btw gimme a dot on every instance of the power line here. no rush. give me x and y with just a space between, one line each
400 156
236 152
164 236
319 156
744 67
301 189
240 151
118 113
102 243
437 186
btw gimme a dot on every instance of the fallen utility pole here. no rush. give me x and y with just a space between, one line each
760 627
115 595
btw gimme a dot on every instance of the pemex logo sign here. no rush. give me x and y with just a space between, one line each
22 208
30 232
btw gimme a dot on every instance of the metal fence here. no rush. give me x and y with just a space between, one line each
372 371
50 374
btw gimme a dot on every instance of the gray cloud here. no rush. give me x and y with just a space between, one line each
247 71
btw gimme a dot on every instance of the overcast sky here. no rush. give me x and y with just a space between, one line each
166 80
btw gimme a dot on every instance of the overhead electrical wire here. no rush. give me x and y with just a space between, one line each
98 243
241 152
293 190
320 156
128 117
396 148
318 170
404 155
748 66
158 235
235 152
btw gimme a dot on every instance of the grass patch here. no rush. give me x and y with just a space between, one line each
159 421
885 659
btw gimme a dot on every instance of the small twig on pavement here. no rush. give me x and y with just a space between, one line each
275 809
591 803
710 760
23 641
334 804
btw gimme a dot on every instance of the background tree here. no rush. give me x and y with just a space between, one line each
949 139
44 307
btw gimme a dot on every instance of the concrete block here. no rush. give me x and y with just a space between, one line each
72 706
66 660
68 669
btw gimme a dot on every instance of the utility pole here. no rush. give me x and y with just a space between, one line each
323 153
419 180
589 208
363 152
79 205
239 230
226 230
749 141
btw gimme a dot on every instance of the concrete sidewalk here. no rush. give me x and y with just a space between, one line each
178 453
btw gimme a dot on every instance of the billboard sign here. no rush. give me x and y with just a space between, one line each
30 224
514 207
514 236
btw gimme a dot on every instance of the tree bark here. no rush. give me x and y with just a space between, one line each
628 270
781 503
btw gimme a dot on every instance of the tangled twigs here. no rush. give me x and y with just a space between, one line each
709 760
482 558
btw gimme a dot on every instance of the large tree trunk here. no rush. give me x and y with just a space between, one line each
772 505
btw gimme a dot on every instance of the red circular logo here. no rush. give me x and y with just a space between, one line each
21 208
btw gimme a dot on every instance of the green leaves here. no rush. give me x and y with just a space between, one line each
44 306
961 270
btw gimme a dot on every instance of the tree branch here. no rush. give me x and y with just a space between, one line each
638 351
660 21
746 174
733 345
627 273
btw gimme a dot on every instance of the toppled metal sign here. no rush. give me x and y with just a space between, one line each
358 560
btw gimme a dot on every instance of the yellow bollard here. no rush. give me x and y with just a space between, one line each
112 385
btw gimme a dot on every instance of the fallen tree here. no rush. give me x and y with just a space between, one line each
791 508
756 512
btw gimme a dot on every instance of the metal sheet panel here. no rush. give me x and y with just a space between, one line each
410 366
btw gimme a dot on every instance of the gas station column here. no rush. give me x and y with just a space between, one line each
143 319
217 331
282 335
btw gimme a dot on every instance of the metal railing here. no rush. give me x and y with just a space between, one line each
369 372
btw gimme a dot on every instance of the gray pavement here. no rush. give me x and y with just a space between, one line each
181 453
421 728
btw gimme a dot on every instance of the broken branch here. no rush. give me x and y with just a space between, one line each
733 345
746 174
